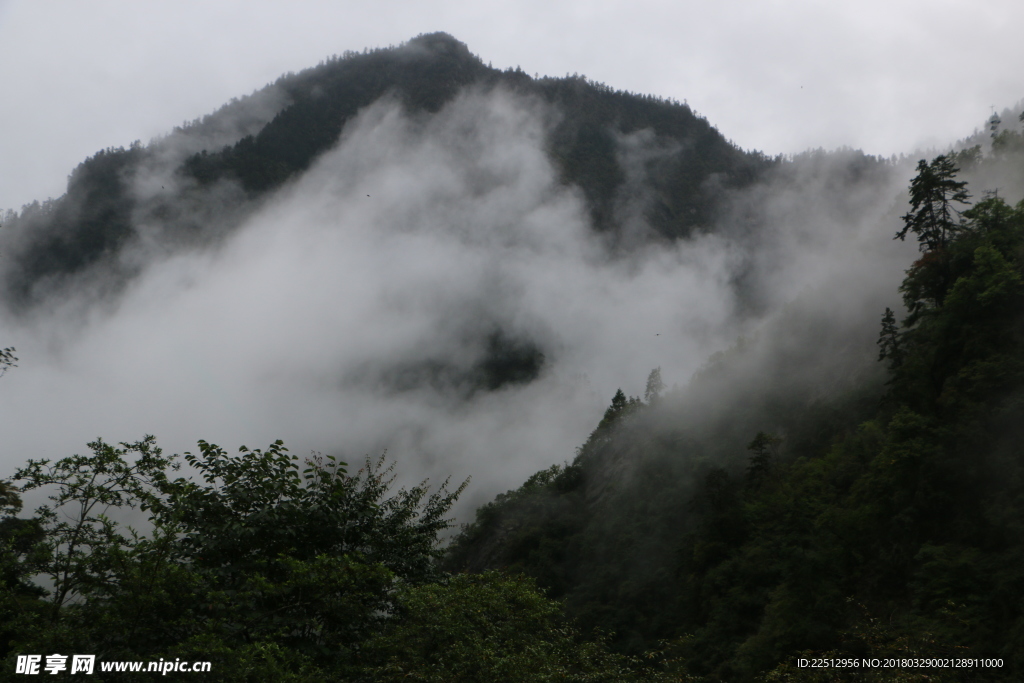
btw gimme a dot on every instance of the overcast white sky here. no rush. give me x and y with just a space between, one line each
780 76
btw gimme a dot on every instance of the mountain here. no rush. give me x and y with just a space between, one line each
752 518
249 148
835 474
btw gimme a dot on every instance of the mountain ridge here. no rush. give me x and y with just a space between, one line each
51 245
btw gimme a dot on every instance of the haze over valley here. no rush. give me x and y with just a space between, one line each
656 355
431 284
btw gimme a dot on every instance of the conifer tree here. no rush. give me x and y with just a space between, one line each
932 216
889 340
7 359
654 386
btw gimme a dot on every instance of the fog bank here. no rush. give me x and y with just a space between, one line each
371 303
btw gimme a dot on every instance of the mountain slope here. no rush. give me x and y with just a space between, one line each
754 519
630 155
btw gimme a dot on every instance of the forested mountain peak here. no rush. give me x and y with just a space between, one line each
213 171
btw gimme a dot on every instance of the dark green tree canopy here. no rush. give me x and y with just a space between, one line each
7 359
933 216
889 526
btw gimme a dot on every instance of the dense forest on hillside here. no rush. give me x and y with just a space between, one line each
881 522
233 158
269 568
791 501
866 528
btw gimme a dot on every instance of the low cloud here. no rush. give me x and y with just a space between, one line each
430 288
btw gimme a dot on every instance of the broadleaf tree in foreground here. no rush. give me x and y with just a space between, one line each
270 568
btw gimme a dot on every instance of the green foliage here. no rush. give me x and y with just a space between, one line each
528 531
89 223
765 449
655 386
1008 143
964 309
886 528
96 218
80 539
272 569
259 505
932 194
21 554
890 525
621 408
255 554
876 638
490 627
7 359
967 159
889 340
